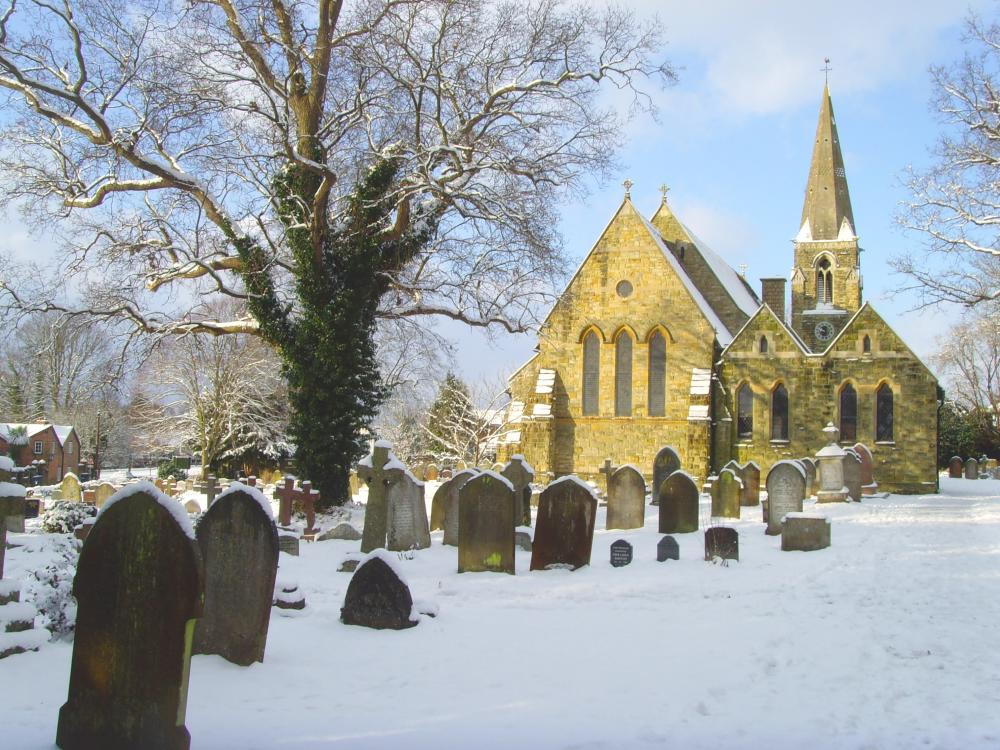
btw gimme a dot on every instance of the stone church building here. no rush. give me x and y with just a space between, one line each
656 341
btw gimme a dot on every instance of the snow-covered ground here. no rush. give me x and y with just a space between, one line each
889 639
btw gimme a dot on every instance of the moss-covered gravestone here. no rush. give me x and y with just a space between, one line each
678 504
726 493
564 527
139 588
486 525
666 463
104 492
520 474
239 546
626 499
70 489
378 597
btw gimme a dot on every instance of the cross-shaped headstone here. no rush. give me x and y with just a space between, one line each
285 495
607 470
211 490
379 479
308 497
520 476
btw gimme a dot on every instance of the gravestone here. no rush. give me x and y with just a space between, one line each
621 553
607 469
678 504
522 540
239 547
666 463
451 507
407 517
193 507
786 489
377 597
626 499
564 527
868 483
520 474
955 467
486 524
726 493
809 464
751 484
69 489
288 596
722 542
432 472
288 543
353 483
667 549
340 531
90 497
139 589
438 505
852 474
285 495
805 532
380 470
972 469
211 490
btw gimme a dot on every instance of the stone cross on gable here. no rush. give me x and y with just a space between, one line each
607 470
628 187
663 192
379 479
520 476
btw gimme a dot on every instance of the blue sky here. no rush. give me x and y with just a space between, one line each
734 139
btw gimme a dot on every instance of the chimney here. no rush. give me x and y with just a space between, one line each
772 291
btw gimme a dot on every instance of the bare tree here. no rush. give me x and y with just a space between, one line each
956 203
968 358
329 164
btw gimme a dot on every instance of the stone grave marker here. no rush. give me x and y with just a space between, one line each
139 589
666 463
726 493
353 483
678 504
285 495
621 553
607 469
751 484
809 464
564 528
288 543
522 540
972 469
90 497
211 490
786 489
451 508
626 499
955 467
377 597
239 547
193 507
406 522
805 532
722 542
667 549
340 531
520 474
380 470
486 525
852 474
432 472
69 489
868 483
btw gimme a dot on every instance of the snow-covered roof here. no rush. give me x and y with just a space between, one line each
731 281
30 429
62 432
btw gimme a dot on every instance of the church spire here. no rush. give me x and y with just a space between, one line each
827 202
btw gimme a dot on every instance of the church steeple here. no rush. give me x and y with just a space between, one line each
827 202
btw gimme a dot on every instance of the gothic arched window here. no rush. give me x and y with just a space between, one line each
623 375
779 413
763 345
824 282
591 373
657 375
866 344
848 413
744 412
883 413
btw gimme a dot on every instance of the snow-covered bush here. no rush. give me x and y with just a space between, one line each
66 515
50 587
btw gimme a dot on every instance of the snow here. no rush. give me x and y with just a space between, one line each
806 515
9 489
6 463
575 480
25 639
383 444
15 612
9 586
498 477
175 508
389 558
253 492
891 626
793 462
524 462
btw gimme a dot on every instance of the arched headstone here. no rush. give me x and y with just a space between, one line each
486 524
726 493
751 484
139 588
451 506
667 461
564 528
955 467
626 499
786 489
239 546
852 474
678 504
868 483
407 520
972 469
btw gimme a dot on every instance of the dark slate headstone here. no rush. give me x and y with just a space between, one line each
520 474
239 546
626 499
564 528
139 589
667 549
722 542
955 467
666 463
451 507
621 553
377 598
786 489
486 525
726 493
407 518
678 504
751 484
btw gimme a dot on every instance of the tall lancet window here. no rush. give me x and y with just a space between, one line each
848 413
779 413
657 375
591 373
883 413
623 375
744 412
824 282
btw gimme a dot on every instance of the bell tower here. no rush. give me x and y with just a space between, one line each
826 275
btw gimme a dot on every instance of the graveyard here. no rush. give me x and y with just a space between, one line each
697 626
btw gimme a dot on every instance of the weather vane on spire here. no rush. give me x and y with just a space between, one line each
826 69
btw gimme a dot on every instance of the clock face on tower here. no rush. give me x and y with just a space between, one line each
824 331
